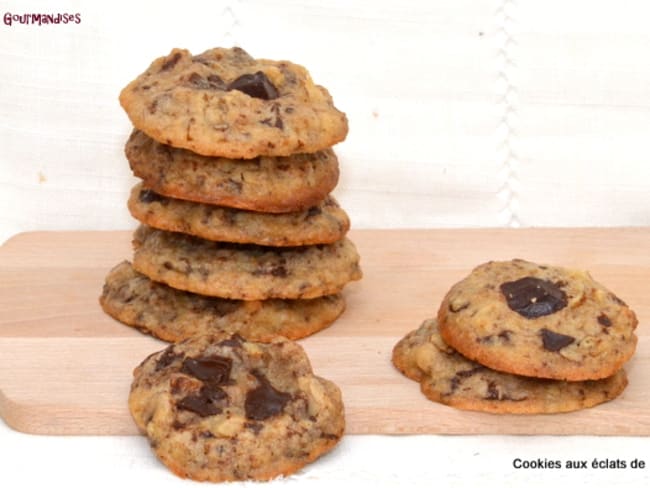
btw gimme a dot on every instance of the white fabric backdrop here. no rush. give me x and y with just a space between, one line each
462 113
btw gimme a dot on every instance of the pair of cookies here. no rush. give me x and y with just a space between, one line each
517 337
238 226
241 248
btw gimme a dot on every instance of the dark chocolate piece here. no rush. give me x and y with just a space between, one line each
256 86
313 211
167 357
461 375
235 341
149 196
279 271
212 369
531 297
205 403
458 308
212 82
604 320
492 391
171 62
553 341
264 401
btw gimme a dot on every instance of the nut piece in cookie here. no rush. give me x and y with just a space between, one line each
447 377
538 320
221 408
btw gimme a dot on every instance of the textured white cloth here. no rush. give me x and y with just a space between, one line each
462 113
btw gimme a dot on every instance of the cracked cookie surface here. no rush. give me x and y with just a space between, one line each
174 315
447 377
244 271
225 103
263 184
324 223
221 408
538 320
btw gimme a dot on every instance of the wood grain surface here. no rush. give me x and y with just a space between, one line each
65 367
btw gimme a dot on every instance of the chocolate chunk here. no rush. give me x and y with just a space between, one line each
553 341
234 185
256 86
278 271
171 62
313 211
492 391
153 106
205 403
604 320
215 80
256 427
278 124
461 375
455 307
264 401
149 196
531 297
200 59
167 357
504 335
235 341
222 307
212 369
212 82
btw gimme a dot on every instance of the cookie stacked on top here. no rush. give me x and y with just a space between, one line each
517 337
239 231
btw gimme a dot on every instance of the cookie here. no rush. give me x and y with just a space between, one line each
221 408
225 103
174 315
538 320
321 224
264 184
244 271
449 378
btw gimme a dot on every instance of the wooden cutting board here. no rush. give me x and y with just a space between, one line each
65 367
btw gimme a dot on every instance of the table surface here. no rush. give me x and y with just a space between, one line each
462 114
67 365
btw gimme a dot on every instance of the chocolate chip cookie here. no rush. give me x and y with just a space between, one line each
538 320
221 408
174 315
449 378
323 223
264 184
244 271
225 103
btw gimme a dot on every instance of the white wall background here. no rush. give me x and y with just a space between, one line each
462 113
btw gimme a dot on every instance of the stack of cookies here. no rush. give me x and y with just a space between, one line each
241 249
239 231
517 337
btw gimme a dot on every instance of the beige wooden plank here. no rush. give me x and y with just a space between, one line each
65 367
